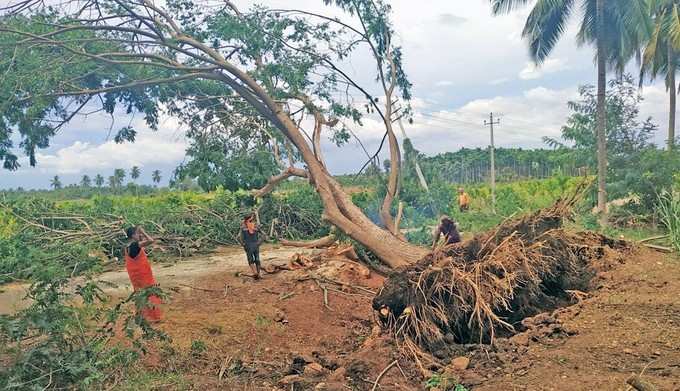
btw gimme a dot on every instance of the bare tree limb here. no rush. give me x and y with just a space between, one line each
275 180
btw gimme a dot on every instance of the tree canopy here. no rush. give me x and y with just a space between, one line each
213 66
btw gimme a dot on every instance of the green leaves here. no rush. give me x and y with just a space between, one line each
545 25
626 25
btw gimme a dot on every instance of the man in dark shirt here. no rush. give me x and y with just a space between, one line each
251 237
447 228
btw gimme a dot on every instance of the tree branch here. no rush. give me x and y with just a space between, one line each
275 180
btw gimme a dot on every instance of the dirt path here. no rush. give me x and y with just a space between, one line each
169 275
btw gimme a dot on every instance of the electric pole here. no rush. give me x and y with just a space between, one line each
491 123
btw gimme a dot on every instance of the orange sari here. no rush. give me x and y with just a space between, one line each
141 277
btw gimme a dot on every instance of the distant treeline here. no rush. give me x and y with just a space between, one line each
473 165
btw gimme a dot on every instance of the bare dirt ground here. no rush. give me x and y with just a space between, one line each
230 332
256 334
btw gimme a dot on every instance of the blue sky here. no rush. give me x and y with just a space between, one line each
463 64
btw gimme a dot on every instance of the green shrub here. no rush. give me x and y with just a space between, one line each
669 211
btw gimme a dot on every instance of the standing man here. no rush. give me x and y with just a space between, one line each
139 270
463 200
251 237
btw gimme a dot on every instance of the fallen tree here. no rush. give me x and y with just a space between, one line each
474 290
207 66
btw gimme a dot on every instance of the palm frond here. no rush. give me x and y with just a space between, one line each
673 27
499 7
545 25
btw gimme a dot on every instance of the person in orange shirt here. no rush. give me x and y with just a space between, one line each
463 200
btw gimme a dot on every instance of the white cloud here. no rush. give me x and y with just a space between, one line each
532 71
525 119
655 105
443 83
167 145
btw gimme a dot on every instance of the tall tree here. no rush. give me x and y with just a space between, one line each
156 177
615 28
135 172
205 64
55 183
99 180
85 181
661 54
118 178
628 135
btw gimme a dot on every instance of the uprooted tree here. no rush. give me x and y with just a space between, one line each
213 66
486 286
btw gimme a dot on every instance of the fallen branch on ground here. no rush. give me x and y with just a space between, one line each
323 242
652 238
639 384
662 249
384 371
200 289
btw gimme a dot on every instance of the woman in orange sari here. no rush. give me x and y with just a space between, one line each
139 270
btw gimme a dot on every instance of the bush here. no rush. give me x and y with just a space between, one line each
81 235
669 211
57 342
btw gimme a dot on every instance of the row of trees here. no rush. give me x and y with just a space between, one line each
115 181
269 77
620 30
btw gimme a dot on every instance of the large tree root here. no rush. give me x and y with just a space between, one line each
488 284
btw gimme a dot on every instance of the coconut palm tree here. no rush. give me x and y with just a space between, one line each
156 177
661 54
55 183
99 180
135 172
119 176
615 27
85 181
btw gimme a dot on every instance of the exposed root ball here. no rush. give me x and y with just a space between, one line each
488 284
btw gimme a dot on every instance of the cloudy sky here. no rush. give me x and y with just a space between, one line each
463 64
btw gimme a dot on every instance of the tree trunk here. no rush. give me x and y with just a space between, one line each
672 88
601 116
394 178
340 211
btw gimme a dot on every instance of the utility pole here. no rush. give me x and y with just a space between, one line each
490 123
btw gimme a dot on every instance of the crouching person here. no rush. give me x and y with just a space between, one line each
139 270
447 228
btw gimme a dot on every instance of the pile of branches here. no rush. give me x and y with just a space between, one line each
476 289
45 233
